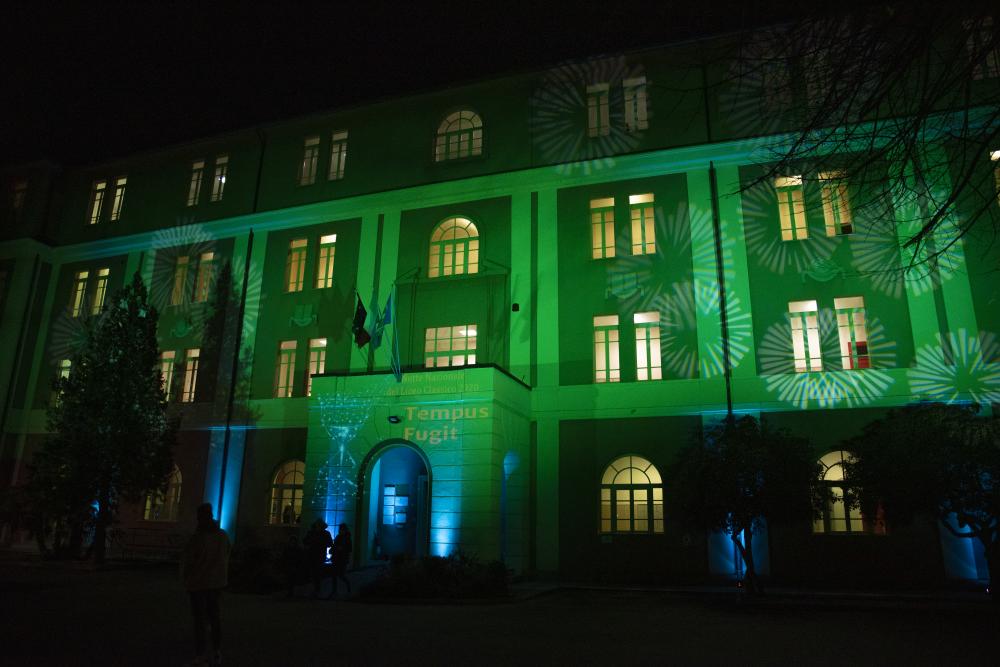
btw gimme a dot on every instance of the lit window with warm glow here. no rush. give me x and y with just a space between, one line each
602 227
804 320
101 291
165 505
643 217
180 281
995 158
79 292
791 208
167 359
191 358
338 155
460 135
295 265
219 178
636 117
284 376
194 187
853 333
647 346
317 361
119 198
837 517
450 346
836 203
607 365
204 277
96 201
454 248
631 497
65 365
286 494
598 119
310 159
324 266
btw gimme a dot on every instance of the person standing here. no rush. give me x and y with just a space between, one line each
342 549
317 541
205 572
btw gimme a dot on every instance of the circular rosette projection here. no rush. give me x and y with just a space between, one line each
576 122
176 252
765 246
961 367
827 379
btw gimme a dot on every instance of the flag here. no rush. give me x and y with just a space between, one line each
380 321
361 335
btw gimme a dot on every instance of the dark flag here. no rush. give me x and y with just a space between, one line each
361 335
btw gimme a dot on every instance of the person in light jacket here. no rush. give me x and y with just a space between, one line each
205 572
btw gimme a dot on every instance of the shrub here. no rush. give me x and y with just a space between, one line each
455 577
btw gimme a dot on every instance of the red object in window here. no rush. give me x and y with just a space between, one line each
862 360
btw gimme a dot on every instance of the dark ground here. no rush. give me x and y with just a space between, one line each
58 615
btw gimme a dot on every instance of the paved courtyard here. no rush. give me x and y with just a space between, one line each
60 616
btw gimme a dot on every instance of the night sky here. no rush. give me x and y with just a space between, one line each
84 84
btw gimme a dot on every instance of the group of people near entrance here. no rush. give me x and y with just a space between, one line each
205 573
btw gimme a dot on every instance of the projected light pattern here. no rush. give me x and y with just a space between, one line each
758 88
342 417
833 386
560 117
764 243
968 370
878 255
190 240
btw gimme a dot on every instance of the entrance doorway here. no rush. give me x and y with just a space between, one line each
397 491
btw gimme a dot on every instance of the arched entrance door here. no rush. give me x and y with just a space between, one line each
396 502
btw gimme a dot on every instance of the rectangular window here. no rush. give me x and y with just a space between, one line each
102 290
324 267
203 280
284 377
602 226
180 281
338 155
116 207
635 104
190 375
853 332
310 158
295 265
219 179
598 123
317 361
97 201
606 359
65 365
983 50
79 291
805 336
19 195
647 346
167 371
450 346
194 188
791 208
995 158
643 227
836 204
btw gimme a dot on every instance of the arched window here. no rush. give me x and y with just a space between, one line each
459 135
286 493
631 497
454 248
837 518
165 506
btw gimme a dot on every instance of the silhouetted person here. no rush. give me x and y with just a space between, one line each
342 549
205 571
288 515
291 563
316 542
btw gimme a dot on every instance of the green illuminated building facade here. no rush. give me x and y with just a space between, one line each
582 267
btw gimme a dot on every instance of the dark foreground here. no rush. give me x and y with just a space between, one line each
140 617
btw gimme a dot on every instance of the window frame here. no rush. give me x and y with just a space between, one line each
648 358
95 209
220 172
790 195
434 338
803 320
642 217
284 369
197 178
204 276
854 521
636 99
598 110
610 497
852 332
338 155
295 264
463 253
317 360
310 161
296 468
463 143
78 295
100 291
602 228
118 200
325 261
607 349
189 389
836 204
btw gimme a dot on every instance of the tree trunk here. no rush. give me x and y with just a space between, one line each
991 546
750 582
